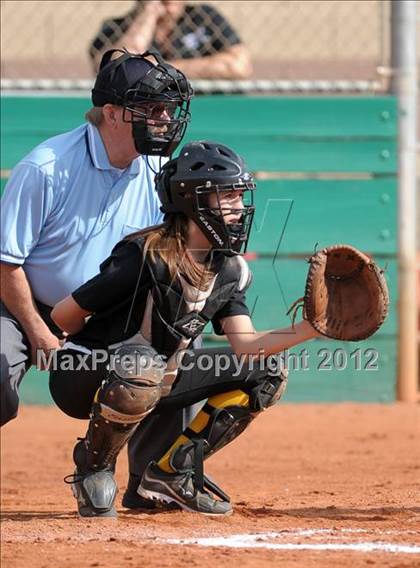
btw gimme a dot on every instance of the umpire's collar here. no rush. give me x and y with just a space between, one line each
98 153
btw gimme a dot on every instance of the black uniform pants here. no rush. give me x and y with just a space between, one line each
203 373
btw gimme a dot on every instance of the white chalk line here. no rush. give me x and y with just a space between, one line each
269 541
345 539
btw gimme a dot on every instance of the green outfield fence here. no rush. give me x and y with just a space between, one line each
327 173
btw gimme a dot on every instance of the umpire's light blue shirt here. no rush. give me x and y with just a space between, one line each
65 207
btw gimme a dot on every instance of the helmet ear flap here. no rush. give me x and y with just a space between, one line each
163 186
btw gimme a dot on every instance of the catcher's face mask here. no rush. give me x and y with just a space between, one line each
225 213
155 99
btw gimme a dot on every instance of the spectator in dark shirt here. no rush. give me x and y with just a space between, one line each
195 38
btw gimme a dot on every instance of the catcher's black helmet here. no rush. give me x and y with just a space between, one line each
146 91
184 185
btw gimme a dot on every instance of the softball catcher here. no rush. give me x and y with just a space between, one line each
153 297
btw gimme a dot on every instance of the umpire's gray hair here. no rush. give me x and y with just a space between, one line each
95 116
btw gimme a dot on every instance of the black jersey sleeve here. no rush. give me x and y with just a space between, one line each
235 306
120 274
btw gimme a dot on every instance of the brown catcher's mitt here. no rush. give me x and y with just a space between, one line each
346 296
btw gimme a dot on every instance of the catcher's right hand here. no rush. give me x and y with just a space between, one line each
346 295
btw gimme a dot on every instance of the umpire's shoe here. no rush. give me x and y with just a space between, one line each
95 491
180 488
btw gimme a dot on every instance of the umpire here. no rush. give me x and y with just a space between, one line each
74 196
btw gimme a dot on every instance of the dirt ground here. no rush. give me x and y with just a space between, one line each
331 485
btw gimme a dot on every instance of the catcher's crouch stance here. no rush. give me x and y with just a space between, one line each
153 296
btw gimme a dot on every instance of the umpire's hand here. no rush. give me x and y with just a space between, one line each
42 343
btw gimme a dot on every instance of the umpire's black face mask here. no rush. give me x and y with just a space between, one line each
158 128
142 88
158 108
159 121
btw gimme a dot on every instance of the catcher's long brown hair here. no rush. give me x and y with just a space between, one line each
169 242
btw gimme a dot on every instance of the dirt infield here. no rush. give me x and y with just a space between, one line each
312 485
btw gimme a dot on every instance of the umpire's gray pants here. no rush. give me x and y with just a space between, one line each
14 362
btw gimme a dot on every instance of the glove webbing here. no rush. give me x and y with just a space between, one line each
294 308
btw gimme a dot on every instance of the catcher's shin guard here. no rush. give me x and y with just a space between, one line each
123 400
226 415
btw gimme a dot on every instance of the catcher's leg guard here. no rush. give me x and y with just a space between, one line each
220 421
226 415
121 402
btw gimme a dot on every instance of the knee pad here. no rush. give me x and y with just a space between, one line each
126 402
130 392
266 391
133 386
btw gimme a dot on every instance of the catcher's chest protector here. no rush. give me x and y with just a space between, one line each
176 312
